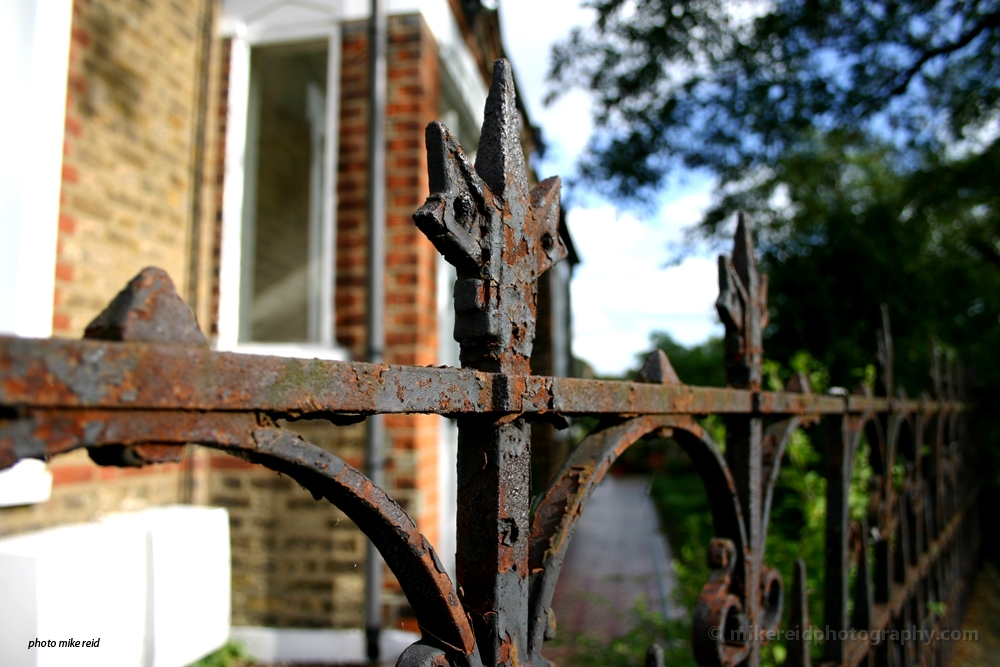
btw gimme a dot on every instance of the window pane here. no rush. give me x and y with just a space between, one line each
288 117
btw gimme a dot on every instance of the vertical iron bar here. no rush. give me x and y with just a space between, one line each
377 44
835 584
742 306
500 236
798 622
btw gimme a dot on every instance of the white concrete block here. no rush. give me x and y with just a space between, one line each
152 586
80 582
291 645
189 581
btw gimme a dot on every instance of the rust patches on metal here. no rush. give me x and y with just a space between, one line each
499 236
407 552
148 310
718 608
145 384
96 374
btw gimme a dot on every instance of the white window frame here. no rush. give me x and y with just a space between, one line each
247 30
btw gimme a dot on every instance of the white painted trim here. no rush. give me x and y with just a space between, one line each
328 275
447 354
295 645
33 123
248 19
230 273
239 17
248 226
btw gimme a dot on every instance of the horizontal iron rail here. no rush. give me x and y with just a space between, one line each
111 375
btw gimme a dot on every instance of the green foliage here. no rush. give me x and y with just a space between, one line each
798 515
852 233
230 654
629 650
813 369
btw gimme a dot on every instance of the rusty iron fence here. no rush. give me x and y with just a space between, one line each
143 383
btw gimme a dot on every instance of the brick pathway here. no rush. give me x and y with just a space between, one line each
617 556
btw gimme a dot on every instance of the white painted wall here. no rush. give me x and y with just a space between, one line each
188 580
27 483
34 50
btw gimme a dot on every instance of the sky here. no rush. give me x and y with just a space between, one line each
621 291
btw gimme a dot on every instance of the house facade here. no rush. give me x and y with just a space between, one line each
226 142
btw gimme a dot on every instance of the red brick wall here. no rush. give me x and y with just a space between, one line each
411 306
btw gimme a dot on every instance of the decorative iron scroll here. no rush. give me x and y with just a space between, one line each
144 383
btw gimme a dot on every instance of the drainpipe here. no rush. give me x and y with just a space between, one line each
377 41
197 195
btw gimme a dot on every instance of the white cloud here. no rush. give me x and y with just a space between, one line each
621 294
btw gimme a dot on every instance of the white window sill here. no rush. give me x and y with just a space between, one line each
291 350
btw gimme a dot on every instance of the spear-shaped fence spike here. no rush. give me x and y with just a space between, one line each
500 237
654 656
545 202
743 258
885 354
500 159
799 383
148 310
657 369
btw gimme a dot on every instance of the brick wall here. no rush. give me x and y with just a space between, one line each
127 165
126 203
297 562
411 317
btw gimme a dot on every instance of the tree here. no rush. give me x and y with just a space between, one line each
732 86
851 234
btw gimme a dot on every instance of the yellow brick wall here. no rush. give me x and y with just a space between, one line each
297 562
127 170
